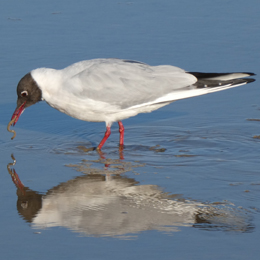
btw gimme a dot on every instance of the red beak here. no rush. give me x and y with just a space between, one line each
18 111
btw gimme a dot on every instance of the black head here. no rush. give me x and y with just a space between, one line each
28 91
28 94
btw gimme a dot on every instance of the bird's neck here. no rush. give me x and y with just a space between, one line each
48 80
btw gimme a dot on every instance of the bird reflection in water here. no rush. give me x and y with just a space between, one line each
118 206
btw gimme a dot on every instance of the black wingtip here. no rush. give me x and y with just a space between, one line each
250 80
202 75
250 73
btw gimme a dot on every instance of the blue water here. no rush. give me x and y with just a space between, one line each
187 184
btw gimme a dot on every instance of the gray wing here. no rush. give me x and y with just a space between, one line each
125 84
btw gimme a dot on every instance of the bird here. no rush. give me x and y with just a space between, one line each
110 90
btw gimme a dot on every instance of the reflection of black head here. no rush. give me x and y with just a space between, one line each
28 203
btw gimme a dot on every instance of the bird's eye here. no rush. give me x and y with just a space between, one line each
24 93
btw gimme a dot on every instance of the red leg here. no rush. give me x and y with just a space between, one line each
121 131
107 134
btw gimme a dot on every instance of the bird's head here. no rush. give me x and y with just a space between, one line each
28 93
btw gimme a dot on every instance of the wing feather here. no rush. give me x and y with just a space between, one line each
125 83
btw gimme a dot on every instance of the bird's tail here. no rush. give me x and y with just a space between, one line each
219 81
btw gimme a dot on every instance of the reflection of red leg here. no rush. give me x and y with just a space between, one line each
121 131
107 134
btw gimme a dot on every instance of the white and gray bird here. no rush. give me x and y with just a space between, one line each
111 90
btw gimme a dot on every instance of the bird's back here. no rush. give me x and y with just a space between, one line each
123 83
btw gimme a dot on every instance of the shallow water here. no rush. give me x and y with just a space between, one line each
186 185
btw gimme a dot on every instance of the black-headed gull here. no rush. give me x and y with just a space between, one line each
111 90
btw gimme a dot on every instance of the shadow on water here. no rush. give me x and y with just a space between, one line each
103 202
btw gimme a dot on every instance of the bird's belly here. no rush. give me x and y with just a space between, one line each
100 112
80 113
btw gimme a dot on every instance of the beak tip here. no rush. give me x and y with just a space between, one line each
18 111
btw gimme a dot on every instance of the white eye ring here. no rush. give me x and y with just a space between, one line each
24 93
